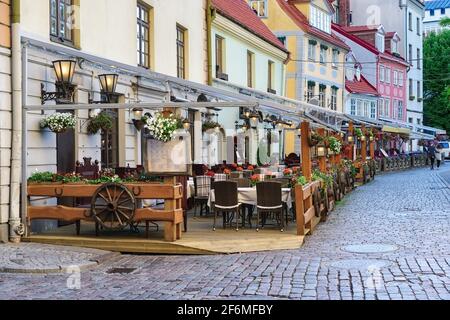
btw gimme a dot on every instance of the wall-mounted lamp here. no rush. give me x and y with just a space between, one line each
64 71
363 138
186 124
351 139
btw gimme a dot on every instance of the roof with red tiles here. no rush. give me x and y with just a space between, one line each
299 18
240 12
361 28
368 46
360 87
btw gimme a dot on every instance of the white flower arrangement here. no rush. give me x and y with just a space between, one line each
59 122
161 127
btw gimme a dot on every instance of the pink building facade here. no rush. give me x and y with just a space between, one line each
391 87
381 65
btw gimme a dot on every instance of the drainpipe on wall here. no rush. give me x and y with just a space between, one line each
15 225
209 19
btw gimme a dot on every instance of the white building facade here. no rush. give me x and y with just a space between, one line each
137 40
435 11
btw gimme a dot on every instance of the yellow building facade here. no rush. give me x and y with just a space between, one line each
316 72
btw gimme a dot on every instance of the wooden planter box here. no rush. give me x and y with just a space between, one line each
172 214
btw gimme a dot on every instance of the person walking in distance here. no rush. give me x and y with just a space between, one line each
432 154
438 155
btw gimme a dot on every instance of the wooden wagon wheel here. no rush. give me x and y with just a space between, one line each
113 206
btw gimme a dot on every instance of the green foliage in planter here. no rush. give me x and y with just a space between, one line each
301 180
42 177
358 132
105 179
325 178
335 145
210 125
102 121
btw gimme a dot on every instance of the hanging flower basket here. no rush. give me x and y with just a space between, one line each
314 139
102 121
58 122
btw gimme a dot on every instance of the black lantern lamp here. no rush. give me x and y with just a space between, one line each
186 124
108 85
254 118
64 71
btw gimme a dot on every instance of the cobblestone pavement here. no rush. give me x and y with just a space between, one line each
407 211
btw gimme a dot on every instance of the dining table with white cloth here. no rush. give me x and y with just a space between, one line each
249 196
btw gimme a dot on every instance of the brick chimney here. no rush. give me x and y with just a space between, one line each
344 13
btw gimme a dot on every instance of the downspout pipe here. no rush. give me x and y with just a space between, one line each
15 225
209 19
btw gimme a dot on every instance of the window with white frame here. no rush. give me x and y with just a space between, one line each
400 78
395 77
260 7
320 19
400 109
322 95
388 75
382 72
394 45
373 109
353 107
379 42
359 108
419 90
312 50
335 58
366 109
387 106
380 107
323 54
334 93
394 109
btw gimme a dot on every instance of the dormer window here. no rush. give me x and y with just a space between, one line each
358 73
320 19
379 42
260 8
394 46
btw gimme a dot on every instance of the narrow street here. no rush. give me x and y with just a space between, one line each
387 240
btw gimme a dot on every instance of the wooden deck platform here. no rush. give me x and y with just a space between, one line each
200 239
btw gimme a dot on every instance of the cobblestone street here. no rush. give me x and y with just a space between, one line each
402 218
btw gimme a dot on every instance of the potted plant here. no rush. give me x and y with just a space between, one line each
103 121
287 172
315 139
59 122
140 123
335 145
210 125
254 180
163 127
358 133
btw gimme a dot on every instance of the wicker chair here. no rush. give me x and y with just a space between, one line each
242 182
235 175
284 182
202 186
226 202
269 202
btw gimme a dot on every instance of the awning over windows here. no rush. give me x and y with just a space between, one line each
396 130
